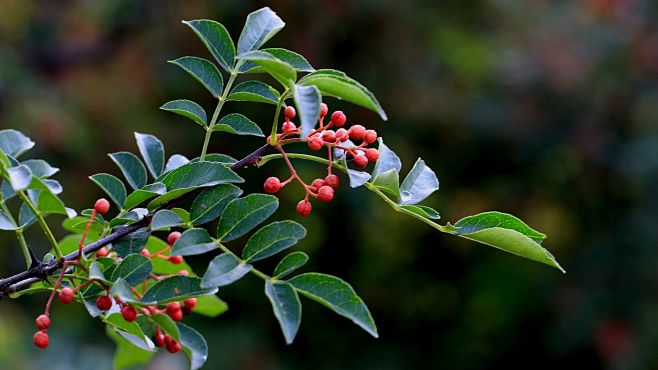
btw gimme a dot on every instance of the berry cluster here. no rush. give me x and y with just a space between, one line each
331 136
105 302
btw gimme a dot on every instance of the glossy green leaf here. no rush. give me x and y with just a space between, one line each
223 270
260 26
338 84
46 201
95 272
19 177
337 295
286 306
187 109
357 178
131 243
217 39
199 174
272 239
307 100
295 60
255 91
243 214
211 203
14 143
175 161
281 71
388 182
40 168
176 288
121 288
193 241
387 161
424 211
419 184
153 152
133 269
112 186
218 157
236 123
210 306
6 223
164 219
290 263
127 355
194 345
203 71
131 167
141 195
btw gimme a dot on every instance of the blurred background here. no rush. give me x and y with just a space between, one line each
545 109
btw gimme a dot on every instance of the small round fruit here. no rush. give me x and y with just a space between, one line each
329 136
356 132
40 339
176 260
332 180
183 273
338 118
173 307
129 313
370 136
176 315
101 253
66 295
372 154
315 143
288 127
43 322
272 185
159 340
104 303
326 193
145 252
318 183
173 236
342 135
361 161
173 347
102 206
189 303
323 110
289 112
304 208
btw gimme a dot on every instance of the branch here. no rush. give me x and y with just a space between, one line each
42 271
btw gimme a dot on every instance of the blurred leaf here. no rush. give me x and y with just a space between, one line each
243 214
224 269
152 150
188 109
127 355
255 91
112 186
131 167
272 239
176 288
14 143
131 243
419 184
194 346
133 269
117 321
217 39
260 26
203 71
210 306
307 100
5 222
164 219
287 307
193 241
290 263
211 203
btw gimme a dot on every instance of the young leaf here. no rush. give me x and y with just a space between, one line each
40 168
20 177
283 72
419 184
387 161
193 241
290 263
260 26
217 39
389 182
295 60
307 100
164 219
188 109
152 150
211 203
133 269
236 123
131 167
338 296
132 243
194 345
203 71
223 270
176 288
255 91
210 306
243 214
338 84
272 239
424 211
147 192
287 307
14 143
112 186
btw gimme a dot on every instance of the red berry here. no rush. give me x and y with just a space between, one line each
326 193
176 260
338 118
176 315
101 253
356 132
66 295
173 236
145 252
304 208
318 183
372 154
332 180
40 339
289 112
173 346
190 303
129 313
361 161
102 206
174 311
323 110
183 273
168 340
272 185
104 303
342 135
288 126
159 340
329 136
43 322
370 136
315 143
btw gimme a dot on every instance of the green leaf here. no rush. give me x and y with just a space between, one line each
283 72
127 355
338 84
95 272
243 214
122 289
188 109
505 232
40 168
131 243
297 61
176 288
290 263
211 203
194 345
19 177
133 269
424 211
164 219
131 167
175 161
152 150
203 71
419 184
218 157
224 269
46 201
357 178
141 195
14 143
388 182
236 123
167 324
272 239
117 321
255 91
217 39
307 100
210 306
337 295
287 307
260 26
193 241
6 223
112 186
387 161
